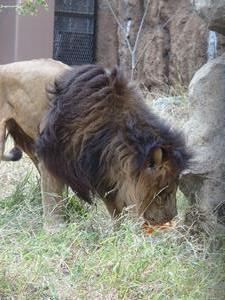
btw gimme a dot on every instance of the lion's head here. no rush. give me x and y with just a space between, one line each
101 139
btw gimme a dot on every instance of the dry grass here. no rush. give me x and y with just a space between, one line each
176 108
90 260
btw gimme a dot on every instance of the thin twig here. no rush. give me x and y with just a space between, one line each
7 6
141 25
133 55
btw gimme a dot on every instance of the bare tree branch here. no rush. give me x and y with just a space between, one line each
141 25
134 49
120 25
133 54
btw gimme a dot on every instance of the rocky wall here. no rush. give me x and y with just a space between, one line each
172 44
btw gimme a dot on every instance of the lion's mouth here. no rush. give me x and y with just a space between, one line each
149 228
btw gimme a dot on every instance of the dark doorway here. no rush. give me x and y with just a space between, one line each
74 31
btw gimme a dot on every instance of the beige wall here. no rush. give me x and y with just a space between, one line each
26 37
7 34
34 34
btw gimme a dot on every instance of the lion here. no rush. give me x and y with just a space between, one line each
89 128
14 154
101 139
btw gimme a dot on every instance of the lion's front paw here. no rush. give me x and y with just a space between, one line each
54 224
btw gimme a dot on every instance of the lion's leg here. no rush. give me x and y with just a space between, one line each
2 137
34 159
112 208
51 188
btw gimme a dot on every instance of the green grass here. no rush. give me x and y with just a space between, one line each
89 259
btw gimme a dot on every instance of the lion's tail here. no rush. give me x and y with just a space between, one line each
14 154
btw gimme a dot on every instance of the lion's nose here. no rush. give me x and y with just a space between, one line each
160 219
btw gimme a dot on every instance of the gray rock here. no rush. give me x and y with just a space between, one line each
213 12
204 182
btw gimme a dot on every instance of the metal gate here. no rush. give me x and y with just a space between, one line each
74 32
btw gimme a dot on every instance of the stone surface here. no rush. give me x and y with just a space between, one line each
213 12
178 44
204 182
188 43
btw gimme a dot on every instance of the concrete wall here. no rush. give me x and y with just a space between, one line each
7 33
34 34
26 37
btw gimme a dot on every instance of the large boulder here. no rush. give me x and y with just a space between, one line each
213 12
204 182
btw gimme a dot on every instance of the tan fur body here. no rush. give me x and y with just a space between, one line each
24 101
23 94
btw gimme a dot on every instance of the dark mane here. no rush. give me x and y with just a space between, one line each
99 123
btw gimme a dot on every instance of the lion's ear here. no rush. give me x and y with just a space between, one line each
156 157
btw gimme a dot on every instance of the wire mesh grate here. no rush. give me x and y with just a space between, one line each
74 32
